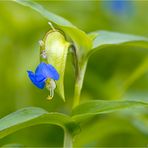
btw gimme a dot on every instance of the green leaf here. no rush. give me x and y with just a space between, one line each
79 37
107 38
33 116
101 107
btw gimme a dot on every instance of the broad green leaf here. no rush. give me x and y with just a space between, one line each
79 37
101 107
33 116
107 38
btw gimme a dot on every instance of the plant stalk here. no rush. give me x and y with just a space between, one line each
79 84
68 139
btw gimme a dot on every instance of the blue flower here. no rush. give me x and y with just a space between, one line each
42 73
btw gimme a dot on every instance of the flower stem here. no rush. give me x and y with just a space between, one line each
67 139
79 83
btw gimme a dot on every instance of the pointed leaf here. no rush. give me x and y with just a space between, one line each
32 116
101 107
107 38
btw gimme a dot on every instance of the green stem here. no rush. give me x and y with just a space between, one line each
67 139
136 74
79 83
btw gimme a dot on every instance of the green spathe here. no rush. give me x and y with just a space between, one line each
55 49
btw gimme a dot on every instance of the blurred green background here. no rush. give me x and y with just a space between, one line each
108 72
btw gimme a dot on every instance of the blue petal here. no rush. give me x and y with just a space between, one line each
40 77
53 71
47 71
39 84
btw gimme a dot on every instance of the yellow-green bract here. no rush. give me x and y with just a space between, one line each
54 49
